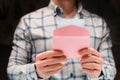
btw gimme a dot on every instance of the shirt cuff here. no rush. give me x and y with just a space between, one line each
32 72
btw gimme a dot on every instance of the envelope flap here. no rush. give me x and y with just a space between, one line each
71 30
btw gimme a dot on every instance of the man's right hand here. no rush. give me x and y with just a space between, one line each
49 63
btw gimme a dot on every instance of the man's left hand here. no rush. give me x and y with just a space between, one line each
91 62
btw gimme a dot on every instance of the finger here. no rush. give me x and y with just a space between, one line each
46 75
53 67
47 54
91 66
53 72
86 51
43 70
92 59
92 73
52 61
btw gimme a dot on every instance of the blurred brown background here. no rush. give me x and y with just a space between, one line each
12 10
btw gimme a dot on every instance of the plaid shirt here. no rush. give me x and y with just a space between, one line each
34 35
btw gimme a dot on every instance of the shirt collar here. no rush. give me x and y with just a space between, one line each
54 7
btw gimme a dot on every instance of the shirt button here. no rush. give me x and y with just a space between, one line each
33 79
71 75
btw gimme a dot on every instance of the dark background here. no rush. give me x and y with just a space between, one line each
12 10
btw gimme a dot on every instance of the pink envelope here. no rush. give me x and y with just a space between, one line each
70 39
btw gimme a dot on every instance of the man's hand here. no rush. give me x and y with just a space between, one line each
91 62
49 63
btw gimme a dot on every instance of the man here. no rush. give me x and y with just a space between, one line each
32 57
